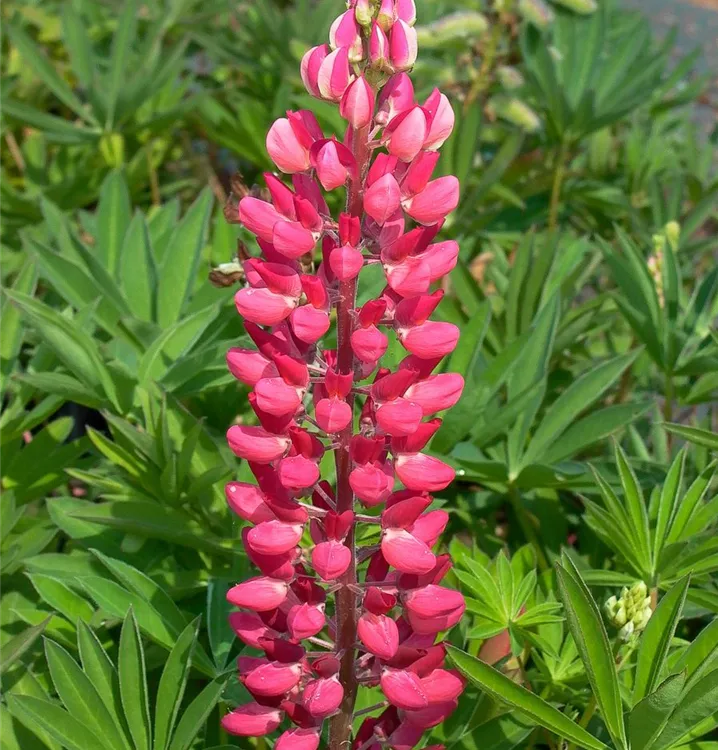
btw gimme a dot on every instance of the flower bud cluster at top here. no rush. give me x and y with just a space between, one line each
368 616
631 611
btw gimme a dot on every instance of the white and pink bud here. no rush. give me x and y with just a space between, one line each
403 46
345 31
357 104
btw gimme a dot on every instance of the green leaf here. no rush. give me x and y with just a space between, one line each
220 634
113 216
179 267
133 683
11 332
696 705
36 59
503 689
119 58
13 649
593 428
69 732
575 399
72 345
636 507
668 503
690 504
650 715
55 129
80 697
586 626
137 269
78 46
700 655
695 435
173 342
172 685
195 715
656 640
65 386
62 598
99 669
154 521
467 141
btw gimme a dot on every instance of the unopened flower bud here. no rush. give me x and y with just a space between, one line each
673 234
385 18
363 13
403 46
455 27
513 110
625 633
584 7
536 12
509 77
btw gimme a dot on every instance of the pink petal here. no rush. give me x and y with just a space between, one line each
403 689
369 344
259 217
248 365
441 258
357 105
256 444
297 472
298 739
252 720
309 324
284 149
247 501
346 262
249 628
333 414
399 417
442 686
305 620
435 202
406 553
430 526
403 46
323 697
417 471
372 483
430 340
272 679
262 306
408 136
379 634
431 716
276 397
292 239
274 537
258 594
382 199
331 559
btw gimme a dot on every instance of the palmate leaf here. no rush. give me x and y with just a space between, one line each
506 690
586 626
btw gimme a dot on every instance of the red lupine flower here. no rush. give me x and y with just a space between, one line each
310 399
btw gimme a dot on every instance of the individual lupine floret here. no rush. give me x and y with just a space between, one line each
385 597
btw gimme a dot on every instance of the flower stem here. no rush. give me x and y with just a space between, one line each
346 599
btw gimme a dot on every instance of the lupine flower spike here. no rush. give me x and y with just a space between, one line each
324 616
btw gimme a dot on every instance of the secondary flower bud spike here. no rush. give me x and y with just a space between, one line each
377 614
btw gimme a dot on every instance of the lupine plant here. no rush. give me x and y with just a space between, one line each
373 611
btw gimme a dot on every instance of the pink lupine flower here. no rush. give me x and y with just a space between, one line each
311 62
345 32
378 47
357 104
298 739
375 611
402 46
258 594
252 720
334 74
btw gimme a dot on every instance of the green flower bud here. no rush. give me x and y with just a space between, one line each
672 231
620 617
640 590
513 110
584 7
626 631
509 77
451 28
536 12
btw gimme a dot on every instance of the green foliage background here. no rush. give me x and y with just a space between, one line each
587 294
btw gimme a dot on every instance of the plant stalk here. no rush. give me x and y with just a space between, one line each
340 725
558 177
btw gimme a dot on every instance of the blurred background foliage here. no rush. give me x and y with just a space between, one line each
587 293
